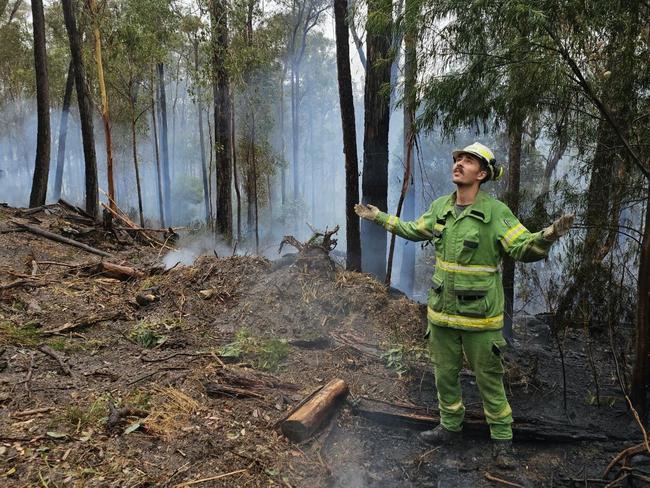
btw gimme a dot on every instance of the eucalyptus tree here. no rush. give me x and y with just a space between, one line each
84 103
374 186
346 99
42 163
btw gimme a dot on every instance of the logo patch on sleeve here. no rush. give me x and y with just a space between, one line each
507 222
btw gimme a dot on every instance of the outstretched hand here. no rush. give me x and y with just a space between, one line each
368 212
560 227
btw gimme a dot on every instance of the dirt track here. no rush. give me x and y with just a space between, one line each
281 330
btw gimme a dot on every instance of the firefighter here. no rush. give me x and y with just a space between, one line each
471 232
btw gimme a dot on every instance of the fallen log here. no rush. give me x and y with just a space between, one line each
59 238
524 429
307 419
118 271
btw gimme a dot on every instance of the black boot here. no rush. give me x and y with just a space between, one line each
503 454
439 436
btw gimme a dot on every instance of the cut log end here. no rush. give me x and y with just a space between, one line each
314 413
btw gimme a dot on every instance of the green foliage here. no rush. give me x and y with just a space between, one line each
144 335
400 357
82 417
265 354
25 335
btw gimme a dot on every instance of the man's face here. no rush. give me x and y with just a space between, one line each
466 170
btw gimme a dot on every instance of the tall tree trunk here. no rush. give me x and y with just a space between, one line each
85 111
164 146
42 163
407 269
295 128
346 100
221 87
63 132
515 135
134 147
283 169
234 170
375 138
641 368
204 172
157 154
255 176
104 98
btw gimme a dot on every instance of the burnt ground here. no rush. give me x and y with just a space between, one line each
276 331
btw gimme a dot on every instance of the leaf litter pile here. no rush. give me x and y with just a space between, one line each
115 371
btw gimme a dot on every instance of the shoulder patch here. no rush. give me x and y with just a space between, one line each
507 223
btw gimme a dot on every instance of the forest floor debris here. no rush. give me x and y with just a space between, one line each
186 388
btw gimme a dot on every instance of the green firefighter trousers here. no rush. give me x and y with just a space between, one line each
483 350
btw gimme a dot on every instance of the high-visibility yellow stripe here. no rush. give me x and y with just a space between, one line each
495 322
453 408
391 223
422 227
505 412
475 269
511 235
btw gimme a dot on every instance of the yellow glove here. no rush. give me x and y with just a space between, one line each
368 212
558 228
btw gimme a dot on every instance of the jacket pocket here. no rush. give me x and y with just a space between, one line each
468 246
435 295
471 303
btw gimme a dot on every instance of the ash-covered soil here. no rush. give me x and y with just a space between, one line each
109 382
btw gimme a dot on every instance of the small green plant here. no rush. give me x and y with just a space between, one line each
145 336
83 417
397 358
264 354
27 335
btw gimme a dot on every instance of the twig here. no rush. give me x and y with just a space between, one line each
148 375
50 352
211 478
165 358
18 283
630 451
491 477
33 411
617 480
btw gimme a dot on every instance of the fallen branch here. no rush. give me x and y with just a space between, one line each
118 271
59 238
211 478
85 322
218 390
59 359
491 477
624 454
116 415
528 429
19 283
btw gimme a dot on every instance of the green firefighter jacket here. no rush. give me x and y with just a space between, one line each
467 291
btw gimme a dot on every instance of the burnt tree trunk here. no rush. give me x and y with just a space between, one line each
221 87
375 137
105 110
154 125
134 147
235 174
85 111
199 103
63 132
42 163
641 368
515 135
346 98
164 146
